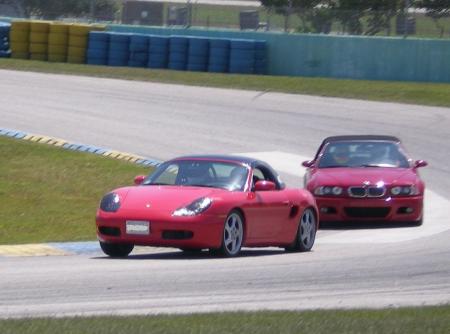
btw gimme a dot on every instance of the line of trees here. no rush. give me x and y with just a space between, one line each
55 9
357 17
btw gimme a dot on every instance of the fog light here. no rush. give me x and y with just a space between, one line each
324 210
409 210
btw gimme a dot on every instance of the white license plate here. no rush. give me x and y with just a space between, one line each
138 227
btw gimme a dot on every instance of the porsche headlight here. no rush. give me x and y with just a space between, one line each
196 207
328 191
110 202
404 191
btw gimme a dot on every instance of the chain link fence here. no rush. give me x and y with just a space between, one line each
244 15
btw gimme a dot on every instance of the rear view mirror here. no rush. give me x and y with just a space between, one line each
308 163
420 163
139 179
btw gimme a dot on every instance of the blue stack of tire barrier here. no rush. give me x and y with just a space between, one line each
178 53
260 57
138 50
4 40
118 53
219 54
158 51
98 46
198 54
242 56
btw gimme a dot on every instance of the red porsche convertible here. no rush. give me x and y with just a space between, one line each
365 178
220 203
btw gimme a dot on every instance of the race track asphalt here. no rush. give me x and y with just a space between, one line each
358 267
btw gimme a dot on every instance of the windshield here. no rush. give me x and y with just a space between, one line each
200 173
363 154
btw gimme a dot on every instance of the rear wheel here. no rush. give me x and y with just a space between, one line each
306 233
116 250
233 234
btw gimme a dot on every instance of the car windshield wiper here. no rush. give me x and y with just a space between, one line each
158 184
374 165
198 185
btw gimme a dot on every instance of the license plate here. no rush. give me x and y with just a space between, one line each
138 227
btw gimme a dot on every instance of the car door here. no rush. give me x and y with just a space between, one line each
266 211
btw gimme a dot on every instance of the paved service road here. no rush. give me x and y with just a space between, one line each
348 268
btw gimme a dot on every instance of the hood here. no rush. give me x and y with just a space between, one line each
162 198
358 176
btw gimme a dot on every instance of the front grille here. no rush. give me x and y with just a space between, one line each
357 191
372 191
356 212
376 191
111 231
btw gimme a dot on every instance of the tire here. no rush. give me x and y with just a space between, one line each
233 234
417 222
306 232
116 250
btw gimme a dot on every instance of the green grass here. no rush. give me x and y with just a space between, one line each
51 194
405 320
405 92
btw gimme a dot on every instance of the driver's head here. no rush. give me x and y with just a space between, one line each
341 154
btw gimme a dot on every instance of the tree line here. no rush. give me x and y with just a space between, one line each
357 17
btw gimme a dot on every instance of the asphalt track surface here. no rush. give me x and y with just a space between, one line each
360 266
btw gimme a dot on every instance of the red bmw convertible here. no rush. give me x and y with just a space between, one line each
365 178
220 203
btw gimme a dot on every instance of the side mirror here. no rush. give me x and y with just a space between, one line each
420 163
139 179
308 163
265 186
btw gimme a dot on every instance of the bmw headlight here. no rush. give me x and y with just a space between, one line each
328 191
404 191
110 202
195 208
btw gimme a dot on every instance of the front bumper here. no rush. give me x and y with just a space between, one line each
202 231
398 209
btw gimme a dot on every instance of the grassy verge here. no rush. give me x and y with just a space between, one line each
406 320
405 92
50 194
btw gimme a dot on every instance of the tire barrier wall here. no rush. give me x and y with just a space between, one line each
176 52
138 51
19 37
78 42
58 40
52 41
98 46
350 57
119 49
4 40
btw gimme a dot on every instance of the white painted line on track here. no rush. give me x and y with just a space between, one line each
436 209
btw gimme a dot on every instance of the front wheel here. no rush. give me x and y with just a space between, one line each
233 234
116 250
306 232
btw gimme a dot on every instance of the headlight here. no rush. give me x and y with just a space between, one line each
110 202
328 190
195 208
404 191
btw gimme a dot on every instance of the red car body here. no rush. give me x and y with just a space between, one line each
270 213
366 189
